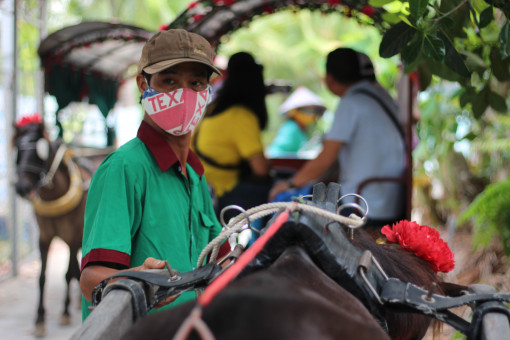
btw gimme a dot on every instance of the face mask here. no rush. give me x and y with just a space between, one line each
177 112
303 118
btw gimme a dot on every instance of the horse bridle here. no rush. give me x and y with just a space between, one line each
29 145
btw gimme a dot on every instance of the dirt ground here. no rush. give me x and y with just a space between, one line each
19 296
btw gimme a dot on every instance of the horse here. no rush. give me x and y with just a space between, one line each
56 185
298 288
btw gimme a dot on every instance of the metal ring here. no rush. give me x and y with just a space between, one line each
354 205
233 206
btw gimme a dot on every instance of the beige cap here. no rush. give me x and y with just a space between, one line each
175 46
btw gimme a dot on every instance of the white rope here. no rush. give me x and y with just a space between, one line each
239 223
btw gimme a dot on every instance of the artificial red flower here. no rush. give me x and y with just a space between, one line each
197 17
224 2
193 4
34 118
425 242
368 10
334 2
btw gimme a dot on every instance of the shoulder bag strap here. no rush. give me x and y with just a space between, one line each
208 159
385 108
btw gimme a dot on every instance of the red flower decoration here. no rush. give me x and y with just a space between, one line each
197 17
334 2
368 10
224 2
425 242
193 4
34 118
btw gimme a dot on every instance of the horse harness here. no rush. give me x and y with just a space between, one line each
77 186
338 258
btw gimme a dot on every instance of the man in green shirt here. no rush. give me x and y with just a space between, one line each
148 201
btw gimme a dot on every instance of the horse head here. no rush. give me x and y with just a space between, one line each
33 155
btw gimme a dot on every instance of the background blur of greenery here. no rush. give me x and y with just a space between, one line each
458 154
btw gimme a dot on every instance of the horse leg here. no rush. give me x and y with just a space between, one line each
73 271
40 329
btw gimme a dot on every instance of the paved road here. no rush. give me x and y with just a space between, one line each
18 299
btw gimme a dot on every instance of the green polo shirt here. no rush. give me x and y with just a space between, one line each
141 205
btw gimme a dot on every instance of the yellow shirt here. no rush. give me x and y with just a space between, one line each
227 138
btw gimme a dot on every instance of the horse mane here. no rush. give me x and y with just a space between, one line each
407 267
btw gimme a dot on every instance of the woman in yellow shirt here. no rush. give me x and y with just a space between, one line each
228 140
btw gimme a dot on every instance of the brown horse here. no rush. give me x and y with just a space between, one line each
299 288
57 186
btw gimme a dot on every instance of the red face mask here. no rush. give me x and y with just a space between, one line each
177 112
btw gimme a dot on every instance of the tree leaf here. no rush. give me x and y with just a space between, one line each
504 40
500 68
395 39
452 58
486 17
497 102
411 51
480 103
418 7
460 16
379 3
467 96
433 47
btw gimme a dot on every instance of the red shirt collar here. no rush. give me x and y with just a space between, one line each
162 152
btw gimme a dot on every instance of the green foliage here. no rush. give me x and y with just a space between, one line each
490 213
466 41
148 14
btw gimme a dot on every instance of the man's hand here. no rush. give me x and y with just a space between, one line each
92 275
152 263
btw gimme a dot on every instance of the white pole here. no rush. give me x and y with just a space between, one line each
40 74
9 66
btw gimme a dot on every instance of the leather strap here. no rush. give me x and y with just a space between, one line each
137 294
161 284
407 297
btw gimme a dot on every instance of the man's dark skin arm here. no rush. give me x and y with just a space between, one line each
92 275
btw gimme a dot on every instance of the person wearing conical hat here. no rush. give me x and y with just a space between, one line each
302 109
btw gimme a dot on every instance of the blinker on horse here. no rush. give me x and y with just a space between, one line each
48 176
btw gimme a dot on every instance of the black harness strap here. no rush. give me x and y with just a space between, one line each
137 294
407 297
160 284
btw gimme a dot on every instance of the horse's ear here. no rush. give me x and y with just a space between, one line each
42 148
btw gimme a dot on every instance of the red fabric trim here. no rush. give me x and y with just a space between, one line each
106 255
162 152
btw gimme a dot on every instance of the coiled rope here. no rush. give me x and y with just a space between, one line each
239 223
